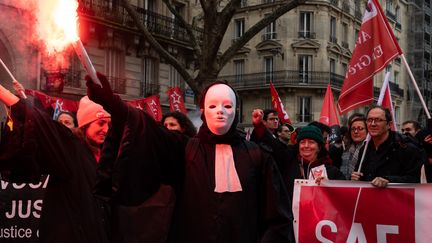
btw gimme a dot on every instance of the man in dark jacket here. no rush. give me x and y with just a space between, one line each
388 158
283 154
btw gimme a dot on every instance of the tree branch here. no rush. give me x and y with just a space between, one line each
188 28
161 51
255 29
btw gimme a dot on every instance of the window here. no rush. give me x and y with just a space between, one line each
268 69
345 35
427 57
305 25
333 38
239 25
389 5
388 68
239 70
427 19
397 116
149 86
114 69
243 3
332 65
304 109
397 13
305 68
396 77
149 5
344 68
175 78
427 38
270 31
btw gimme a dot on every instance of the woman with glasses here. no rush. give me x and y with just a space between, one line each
357 134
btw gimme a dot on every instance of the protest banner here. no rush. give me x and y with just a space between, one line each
20 210
345 211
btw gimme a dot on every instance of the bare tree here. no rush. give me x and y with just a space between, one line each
215 20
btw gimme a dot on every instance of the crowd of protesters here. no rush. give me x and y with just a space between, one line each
117 175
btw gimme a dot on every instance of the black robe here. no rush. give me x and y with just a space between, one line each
38 145
262 211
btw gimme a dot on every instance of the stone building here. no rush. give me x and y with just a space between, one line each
304 50
115 47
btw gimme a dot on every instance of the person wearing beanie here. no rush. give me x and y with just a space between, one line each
313 157
219 177
93 122
33 144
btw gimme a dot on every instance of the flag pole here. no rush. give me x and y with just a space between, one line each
379 102
12 77
416 87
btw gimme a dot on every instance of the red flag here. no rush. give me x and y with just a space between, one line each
139 104
375 47
65 104
44 99
176 100
387 103
328 114
153 107
278 106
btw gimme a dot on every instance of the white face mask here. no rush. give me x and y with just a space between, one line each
219 108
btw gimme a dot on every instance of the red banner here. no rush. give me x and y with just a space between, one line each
176 100
345 211
375 47
328 114
278 106
153 106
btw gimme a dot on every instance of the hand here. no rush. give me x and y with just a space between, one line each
101 95
355 176
428 139
257 116
7 97
319 179
379 182
18 87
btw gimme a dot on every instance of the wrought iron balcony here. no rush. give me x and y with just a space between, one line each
398 26
157 24
285 78
391 16
395 90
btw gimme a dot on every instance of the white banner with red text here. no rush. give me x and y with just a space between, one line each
346 211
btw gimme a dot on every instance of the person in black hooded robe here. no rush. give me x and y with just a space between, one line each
227 189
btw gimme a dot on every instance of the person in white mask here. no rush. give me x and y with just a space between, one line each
227 189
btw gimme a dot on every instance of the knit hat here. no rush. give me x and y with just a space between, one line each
310 132
88 111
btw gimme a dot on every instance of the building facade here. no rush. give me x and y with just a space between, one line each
115 47
306 49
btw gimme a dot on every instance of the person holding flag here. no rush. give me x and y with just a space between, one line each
32 145
388 159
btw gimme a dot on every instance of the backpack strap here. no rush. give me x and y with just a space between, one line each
192 148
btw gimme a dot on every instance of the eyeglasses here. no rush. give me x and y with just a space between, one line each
374 120
357 129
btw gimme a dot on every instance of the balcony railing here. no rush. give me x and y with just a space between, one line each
306 34
395 90
346 7
285 78
398 26
391 15
156 23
